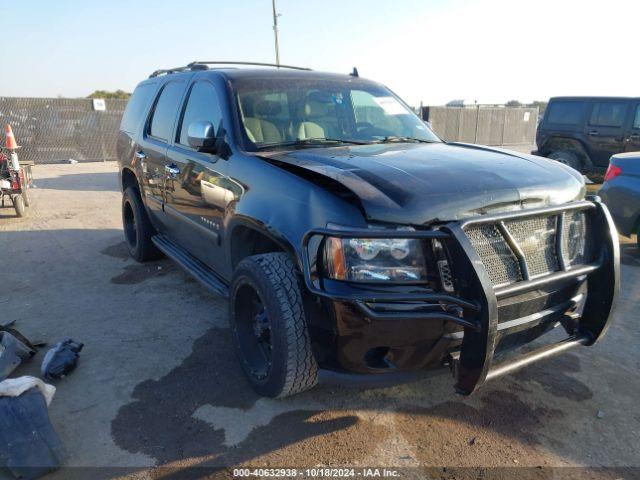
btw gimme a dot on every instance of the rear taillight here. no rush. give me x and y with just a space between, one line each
612 172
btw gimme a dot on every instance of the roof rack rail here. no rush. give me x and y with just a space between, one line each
257 64
167 71
202 65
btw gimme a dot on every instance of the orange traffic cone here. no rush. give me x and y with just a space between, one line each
11 143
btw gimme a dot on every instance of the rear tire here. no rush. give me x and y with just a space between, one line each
138 230
269 326
19 205
567 157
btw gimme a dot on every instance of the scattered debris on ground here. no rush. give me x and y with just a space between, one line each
61 359
29 446
14 348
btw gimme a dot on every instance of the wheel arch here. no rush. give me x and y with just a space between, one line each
249 237
128 179
559 143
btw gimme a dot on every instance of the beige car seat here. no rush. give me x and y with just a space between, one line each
258 128
261 131
307 129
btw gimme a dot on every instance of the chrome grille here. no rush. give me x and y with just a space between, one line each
536 238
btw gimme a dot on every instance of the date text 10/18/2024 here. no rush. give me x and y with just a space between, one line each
316 472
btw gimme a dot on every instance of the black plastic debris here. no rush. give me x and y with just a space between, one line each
29 446
13 350
61 359
8 327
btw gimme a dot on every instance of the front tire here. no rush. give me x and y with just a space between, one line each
138 230
269 326
568 158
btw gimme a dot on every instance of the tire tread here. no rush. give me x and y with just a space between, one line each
301 370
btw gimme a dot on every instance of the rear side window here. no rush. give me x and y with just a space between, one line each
165 110
608 114
202 106
136 107
566 113
636 120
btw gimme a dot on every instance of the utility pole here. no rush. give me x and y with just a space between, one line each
275 30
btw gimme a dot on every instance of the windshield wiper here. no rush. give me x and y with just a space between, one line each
311 142
401 139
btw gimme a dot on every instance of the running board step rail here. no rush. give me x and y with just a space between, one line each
198 270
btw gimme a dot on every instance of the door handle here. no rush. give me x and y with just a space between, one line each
594 133
140 155
634 135
172 170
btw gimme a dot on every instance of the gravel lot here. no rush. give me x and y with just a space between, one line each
158 389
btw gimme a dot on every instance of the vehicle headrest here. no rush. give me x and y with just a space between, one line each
267 108
318 104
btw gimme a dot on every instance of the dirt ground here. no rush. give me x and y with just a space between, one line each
158 391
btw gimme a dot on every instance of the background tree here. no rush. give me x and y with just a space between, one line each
119 94
541 104
513 103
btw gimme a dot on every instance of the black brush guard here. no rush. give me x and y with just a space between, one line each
479 302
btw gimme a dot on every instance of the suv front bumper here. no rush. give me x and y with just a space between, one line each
465 326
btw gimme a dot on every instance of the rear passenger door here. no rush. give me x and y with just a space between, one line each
606 129
632 140
197 192
152 150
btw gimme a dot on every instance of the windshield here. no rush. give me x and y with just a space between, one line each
278 112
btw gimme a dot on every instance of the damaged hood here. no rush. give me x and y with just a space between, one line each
421 183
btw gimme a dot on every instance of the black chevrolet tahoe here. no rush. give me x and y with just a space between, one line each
584 132
352 243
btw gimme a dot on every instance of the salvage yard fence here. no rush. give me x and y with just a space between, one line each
483 124
51 130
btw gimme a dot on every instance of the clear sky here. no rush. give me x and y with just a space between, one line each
425 50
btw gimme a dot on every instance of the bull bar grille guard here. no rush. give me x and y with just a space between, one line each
474 364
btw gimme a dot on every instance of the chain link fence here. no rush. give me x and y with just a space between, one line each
484 125
52 130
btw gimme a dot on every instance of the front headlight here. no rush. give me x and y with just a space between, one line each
375 260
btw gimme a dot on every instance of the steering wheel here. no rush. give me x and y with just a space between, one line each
363 125
368 133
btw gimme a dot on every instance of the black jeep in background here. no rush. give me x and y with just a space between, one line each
583 132
352 243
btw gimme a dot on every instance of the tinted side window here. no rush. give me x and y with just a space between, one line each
608 114
165 110
202 105
566 113
136 107
636 120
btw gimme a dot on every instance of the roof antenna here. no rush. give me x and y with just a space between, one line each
354 73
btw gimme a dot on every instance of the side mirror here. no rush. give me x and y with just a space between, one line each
201 136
